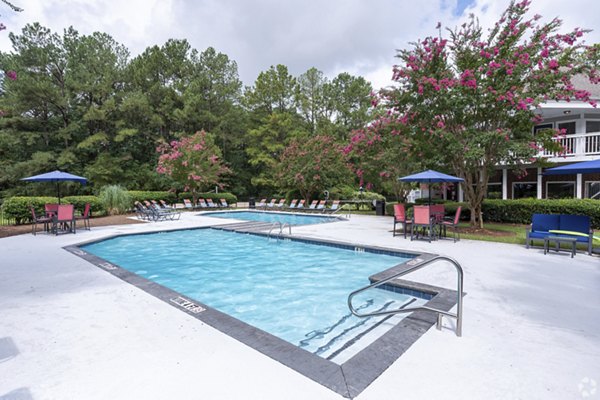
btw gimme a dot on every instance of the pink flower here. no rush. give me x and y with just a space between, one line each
12 75
553 64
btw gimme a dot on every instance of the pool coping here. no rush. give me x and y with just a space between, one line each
348 379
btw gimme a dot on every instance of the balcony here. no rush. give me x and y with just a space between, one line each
578 147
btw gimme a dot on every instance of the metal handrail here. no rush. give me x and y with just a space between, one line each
440 313
283 226
272 227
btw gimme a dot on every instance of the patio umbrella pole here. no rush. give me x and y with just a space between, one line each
58 191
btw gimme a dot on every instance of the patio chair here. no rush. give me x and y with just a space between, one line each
422 219
280 204
262 203
313 205
453 223
201 203
158 214
211 204
187 203
85 217
35 220
400 218
64 219
224 203
292 204
271 204
50 209
321 205
334 207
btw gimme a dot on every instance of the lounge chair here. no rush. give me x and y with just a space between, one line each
292 204
280 205
224 203
262 203
210 204
64 219
453 224
321 205
271 204
313 205
202 203
400 218
85 217
300 205
158 214
334 207
164 205
188 204
39 220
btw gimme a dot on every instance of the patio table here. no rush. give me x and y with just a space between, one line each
558 240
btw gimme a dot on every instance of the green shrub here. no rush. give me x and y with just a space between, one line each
96 206
520 211
115 199
357 195
140 195
18 207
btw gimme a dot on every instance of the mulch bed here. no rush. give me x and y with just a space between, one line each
486 232
13 230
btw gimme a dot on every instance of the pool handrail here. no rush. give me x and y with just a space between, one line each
440 313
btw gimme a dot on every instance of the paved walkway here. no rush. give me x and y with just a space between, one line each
69 330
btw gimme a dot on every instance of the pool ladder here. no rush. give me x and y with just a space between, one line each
440 313
281 228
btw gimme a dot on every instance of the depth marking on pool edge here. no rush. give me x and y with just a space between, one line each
359 249
107 266
186 304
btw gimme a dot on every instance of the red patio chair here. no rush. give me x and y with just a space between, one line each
85 217
64 218
400 218
422 219
38 220
453 224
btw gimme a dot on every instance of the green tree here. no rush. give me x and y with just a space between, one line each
468 101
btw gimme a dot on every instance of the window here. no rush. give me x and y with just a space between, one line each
523 190
494 191
540 127
569 127
560 190
592 142
592 190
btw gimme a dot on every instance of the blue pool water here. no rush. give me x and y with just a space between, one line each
294 290
262 216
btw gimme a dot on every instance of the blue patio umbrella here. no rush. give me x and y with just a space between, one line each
585 167
56 176
430 177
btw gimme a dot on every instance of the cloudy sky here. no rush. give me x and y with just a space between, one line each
356 36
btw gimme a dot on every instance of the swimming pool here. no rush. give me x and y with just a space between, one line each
338 351
265 216
294 290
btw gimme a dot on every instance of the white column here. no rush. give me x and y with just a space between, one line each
579 187
539 183
461 194
504 184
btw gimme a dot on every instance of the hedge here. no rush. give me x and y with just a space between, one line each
520 211
18 207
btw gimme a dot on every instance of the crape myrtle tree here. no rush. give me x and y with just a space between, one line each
381 154
193 162
312 165
468 101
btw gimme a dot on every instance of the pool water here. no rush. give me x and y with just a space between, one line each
263 216
291 289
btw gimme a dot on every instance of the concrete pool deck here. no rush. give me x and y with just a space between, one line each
70 330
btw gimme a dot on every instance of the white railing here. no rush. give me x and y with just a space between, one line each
580 144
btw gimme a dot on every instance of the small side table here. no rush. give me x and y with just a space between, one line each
558 240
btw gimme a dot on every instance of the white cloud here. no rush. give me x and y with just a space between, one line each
357 36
